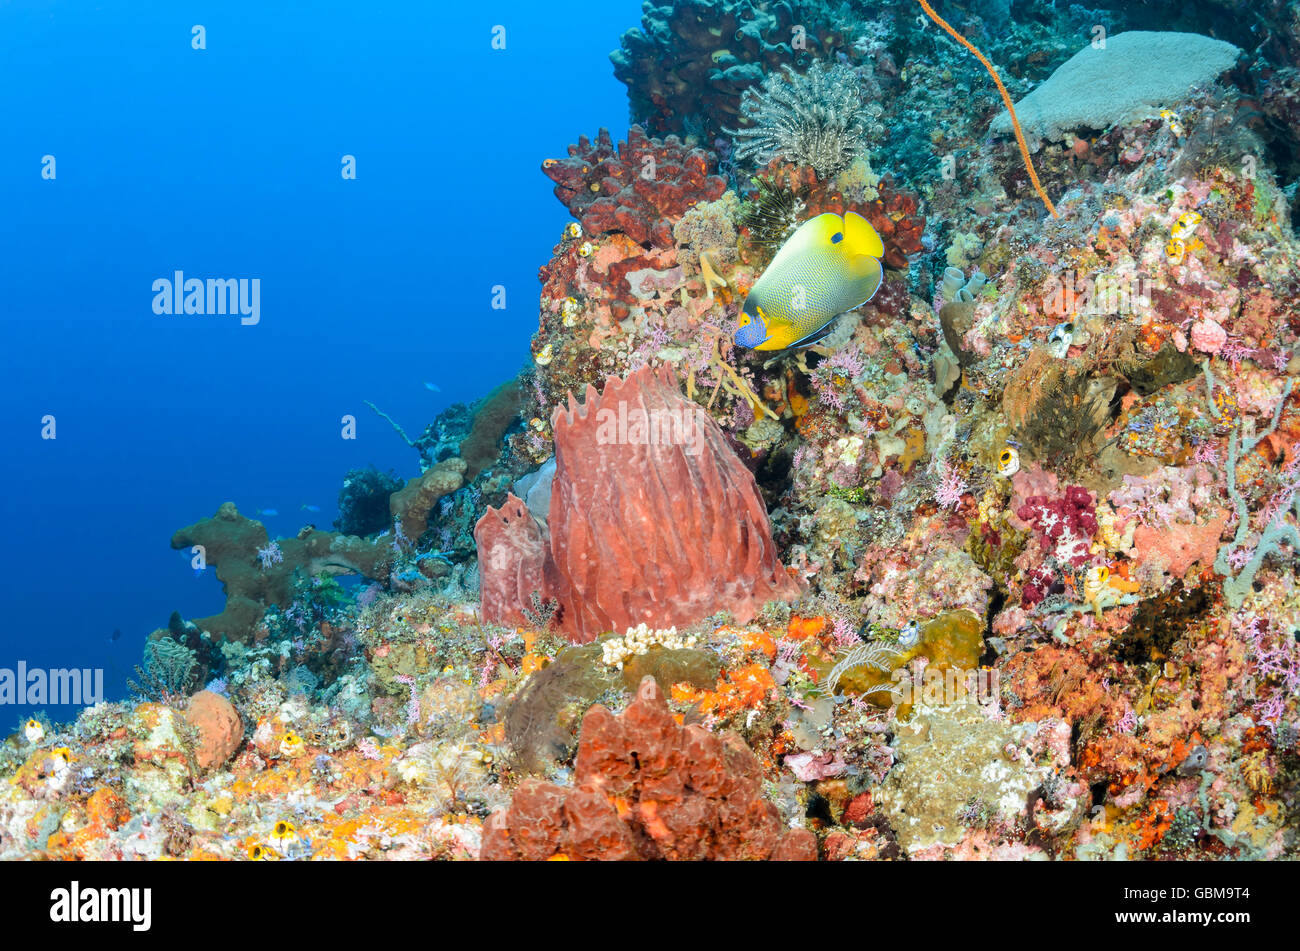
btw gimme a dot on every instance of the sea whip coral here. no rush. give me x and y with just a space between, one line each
1006 99
653 519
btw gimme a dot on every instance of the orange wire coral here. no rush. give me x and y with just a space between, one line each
1006 98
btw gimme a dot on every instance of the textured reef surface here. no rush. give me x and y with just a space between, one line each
1003 566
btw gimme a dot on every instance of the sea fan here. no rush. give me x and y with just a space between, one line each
818 119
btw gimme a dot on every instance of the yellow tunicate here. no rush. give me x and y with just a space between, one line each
1107 537
569 311
1185 225
988 507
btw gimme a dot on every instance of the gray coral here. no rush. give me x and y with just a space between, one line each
819 119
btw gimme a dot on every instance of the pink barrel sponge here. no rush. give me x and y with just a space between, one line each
653 519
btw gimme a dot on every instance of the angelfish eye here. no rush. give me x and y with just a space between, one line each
1006 456
837 237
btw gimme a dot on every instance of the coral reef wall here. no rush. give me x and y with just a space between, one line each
1009 556
688 63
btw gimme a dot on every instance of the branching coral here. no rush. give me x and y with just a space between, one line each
688 63
363 502
1239 576
818 119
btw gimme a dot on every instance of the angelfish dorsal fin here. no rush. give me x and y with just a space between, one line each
860 237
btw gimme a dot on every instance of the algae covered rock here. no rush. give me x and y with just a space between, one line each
953 763
162 751
950 642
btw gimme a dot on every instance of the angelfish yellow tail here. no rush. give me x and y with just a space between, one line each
1006 98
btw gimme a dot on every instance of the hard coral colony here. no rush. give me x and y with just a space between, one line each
1027 519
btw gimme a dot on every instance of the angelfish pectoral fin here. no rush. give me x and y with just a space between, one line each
867 275
812 338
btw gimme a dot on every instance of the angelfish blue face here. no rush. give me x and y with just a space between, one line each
751 329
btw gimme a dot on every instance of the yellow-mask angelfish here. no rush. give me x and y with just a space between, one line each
827 267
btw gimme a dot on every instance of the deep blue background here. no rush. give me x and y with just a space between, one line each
225 162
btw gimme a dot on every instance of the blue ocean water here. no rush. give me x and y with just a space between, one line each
226 162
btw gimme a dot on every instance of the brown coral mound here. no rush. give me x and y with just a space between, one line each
231 543
640 188
493 416
410 505
646 788
653 519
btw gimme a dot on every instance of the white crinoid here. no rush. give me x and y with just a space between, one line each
818 119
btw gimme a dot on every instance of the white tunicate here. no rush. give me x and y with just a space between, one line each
953 280
1060 339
